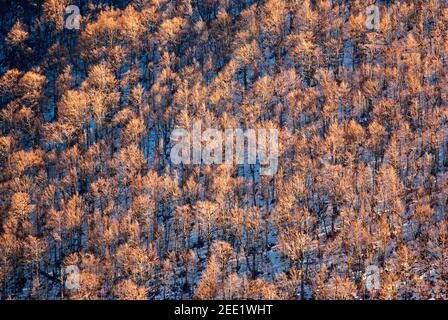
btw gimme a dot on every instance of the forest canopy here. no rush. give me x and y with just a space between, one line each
92 207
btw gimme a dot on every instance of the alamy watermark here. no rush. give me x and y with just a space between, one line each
250 146
372 275
72 21
372 17
71 273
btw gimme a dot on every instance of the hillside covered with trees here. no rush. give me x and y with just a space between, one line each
86 179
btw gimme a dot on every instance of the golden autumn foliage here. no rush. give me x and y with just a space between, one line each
86 176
